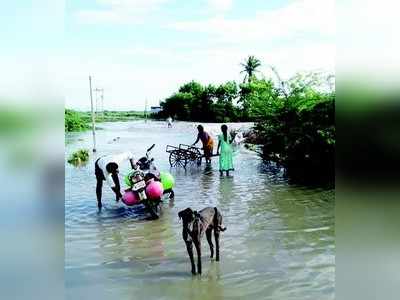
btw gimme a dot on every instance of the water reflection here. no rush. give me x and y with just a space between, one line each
279 243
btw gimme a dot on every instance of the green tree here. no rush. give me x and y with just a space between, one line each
250 66
263 99
297 130
227 91
206 104
178 105
225 110
196 102
192 87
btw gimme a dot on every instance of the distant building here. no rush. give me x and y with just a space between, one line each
155 109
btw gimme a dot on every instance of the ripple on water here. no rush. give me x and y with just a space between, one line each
279 243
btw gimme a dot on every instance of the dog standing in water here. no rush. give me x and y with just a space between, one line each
195 224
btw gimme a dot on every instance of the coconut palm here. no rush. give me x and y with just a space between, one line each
250 67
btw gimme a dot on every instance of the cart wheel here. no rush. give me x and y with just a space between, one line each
177 160
195 157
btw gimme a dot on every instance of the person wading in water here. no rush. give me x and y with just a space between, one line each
207 141
226 154
106 169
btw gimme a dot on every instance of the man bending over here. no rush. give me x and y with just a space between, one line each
106 169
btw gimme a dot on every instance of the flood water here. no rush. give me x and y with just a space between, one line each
279 242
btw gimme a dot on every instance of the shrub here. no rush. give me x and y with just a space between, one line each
79 157
74 121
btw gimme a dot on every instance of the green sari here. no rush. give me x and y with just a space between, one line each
225 155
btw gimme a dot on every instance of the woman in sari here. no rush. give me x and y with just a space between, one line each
226 154
207 141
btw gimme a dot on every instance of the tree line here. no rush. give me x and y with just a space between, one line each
294 119
210 103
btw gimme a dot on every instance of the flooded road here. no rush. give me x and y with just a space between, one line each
279 242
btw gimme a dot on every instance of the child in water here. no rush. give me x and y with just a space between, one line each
225 157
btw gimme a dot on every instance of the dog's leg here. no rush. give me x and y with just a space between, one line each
216 232
189 247
198 249
209 240
216 235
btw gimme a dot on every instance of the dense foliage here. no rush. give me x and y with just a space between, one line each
195 102
74 121
296 126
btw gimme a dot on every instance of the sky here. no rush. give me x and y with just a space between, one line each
145 49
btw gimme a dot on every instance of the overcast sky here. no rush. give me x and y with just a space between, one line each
145 49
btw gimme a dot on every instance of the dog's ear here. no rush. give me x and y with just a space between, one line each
184 213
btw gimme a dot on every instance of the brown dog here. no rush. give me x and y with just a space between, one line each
195 224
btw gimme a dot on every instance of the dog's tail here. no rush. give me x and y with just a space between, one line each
218 220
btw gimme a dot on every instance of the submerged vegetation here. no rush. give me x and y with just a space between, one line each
79 157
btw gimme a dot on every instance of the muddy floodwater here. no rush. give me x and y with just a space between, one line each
279 242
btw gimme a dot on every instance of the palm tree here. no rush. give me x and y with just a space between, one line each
250 67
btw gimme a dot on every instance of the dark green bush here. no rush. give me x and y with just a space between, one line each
298 132
74 121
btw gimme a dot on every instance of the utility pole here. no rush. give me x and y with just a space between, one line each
91 105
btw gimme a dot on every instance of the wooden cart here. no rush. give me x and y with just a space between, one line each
184 155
